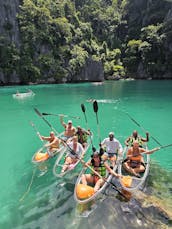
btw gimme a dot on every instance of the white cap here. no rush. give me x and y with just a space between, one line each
69 121
111 133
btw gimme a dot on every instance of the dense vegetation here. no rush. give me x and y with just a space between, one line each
57 38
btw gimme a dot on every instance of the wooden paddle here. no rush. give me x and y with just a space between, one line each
76 117
95 108
162 147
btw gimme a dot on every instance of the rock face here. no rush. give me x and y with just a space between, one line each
141 14
8 22
92 71
9 30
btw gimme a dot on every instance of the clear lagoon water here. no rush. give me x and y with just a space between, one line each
29 200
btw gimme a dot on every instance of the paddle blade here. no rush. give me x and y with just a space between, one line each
38 113
45 114
39 157
126 181
84 191
83 107
95 106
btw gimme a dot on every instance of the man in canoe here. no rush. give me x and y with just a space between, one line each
134 162
135 137
53 146
70 130
112 148
76 152
54 142
99 166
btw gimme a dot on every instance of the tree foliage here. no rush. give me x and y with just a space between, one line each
57 38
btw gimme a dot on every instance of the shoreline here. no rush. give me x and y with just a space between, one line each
74 82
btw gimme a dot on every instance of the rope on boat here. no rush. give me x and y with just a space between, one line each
29 187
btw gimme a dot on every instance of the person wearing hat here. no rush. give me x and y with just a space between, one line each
100 167
70 130
112 148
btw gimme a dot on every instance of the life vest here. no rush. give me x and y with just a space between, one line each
100 169
55 145
132 139
82 138
136 158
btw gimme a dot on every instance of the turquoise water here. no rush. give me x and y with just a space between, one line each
49 201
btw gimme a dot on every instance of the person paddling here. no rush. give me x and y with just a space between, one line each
100 167
76 152
54 142
134 162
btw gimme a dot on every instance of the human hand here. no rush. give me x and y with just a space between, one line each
118 175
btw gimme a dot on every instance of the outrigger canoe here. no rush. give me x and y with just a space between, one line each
61 160
130 182
88 193
23 95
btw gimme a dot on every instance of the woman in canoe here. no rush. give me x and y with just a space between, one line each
134 162
99 166
82 136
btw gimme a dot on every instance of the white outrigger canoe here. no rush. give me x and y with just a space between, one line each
23 95
108 178
61 160
133 183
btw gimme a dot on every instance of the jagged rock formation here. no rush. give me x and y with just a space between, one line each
92 71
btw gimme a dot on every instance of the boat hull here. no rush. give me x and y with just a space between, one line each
133 183
96 194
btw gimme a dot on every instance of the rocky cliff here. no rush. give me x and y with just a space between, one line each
10 36
8 22
137 15
144 13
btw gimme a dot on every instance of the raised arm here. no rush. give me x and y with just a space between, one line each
152 150
62 122
45 138
145 139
